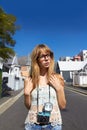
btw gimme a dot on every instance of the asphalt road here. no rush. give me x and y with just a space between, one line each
74 116
13 118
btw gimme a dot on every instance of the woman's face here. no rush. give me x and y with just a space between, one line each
44 60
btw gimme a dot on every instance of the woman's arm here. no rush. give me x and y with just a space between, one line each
27 101
57 82
61 98
28 87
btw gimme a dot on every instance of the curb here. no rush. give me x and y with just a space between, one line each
4 106
76 90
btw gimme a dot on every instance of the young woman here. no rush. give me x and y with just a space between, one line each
43 92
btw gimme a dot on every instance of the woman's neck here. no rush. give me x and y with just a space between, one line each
43 80
43 72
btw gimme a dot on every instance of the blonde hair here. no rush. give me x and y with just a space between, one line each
35 69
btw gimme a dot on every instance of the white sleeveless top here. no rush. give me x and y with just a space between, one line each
55 117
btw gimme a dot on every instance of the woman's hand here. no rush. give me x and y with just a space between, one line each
28 86
55 81
25 73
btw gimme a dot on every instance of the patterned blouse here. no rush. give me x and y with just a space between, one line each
55 117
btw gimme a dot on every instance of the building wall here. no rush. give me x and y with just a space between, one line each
83 55
67 76
1 63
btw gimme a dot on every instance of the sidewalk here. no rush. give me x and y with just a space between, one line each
79 89
7 101
13 93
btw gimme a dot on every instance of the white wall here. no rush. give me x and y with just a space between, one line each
1 63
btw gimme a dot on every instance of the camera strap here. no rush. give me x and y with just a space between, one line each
38 98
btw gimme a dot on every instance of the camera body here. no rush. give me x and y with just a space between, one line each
44 116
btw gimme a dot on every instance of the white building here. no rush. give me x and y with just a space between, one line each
67 58
69 70
83 55
1 63
13 74
68 67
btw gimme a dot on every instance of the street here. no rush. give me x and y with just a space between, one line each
13 118
74 116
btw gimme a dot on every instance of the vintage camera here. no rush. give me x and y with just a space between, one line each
43 117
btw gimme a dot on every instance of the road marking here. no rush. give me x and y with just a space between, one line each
76 91
10 102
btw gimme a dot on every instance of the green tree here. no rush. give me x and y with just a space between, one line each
7 30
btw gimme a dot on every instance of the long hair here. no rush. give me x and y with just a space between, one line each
35 70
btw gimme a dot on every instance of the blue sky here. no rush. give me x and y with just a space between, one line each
61 24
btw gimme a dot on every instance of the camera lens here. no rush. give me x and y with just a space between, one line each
48 106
